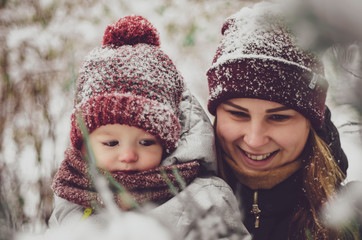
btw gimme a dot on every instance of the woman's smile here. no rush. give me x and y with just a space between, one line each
259 157
255 160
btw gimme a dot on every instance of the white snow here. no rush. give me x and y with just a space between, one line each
229 58
173 22
130 226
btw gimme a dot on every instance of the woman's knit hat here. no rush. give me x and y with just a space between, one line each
129 80
259 58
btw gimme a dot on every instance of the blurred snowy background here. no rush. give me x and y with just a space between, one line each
44 41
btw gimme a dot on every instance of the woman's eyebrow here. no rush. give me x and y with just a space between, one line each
236 106
277 109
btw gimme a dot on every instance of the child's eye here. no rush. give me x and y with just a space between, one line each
147 142
239 114
111 143
279 117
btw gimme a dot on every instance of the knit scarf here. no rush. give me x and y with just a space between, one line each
73 183
265 179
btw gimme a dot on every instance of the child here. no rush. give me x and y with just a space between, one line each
131 98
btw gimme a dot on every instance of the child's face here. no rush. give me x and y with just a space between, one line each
124 148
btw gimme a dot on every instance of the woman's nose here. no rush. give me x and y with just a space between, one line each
256 135
128 154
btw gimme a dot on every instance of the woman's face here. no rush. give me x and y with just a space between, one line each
259 135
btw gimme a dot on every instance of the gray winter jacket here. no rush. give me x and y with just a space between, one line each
205 208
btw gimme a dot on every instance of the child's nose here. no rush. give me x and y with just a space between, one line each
128 155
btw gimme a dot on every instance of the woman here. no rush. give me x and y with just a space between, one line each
268 99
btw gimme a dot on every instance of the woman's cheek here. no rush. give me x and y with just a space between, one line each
225 131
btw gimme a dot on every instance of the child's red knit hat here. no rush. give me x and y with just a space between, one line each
129 80
259 58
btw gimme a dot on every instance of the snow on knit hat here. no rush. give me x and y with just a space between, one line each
129 80
259 58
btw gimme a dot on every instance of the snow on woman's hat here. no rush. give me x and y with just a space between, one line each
129 80
259 58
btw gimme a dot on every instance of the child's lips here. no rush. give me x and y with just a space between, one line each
127 172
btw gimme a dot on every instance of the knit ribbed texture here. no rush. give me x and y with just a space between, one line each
259 58
73 183
129 80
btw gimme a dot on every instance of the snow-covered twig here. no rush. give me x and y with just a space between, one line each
99 181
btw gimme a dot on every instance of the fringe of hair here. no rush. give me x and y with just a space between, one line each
223 169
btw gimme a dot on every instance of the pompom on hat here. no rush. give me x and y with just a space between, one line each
258 57
129 80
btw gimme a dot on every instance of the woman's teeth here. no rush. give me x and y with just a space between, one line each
258 157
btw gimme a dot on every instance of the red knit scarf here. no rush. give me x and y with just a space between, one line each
72 182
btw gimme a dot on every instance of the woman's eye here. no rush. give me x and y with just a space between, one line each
147 142
111 143
239 114
279 117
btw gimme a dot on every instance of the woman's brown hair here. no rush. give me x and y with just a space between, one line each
321 180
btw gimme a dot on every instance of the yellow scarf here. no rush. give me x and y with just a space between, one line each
265 179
